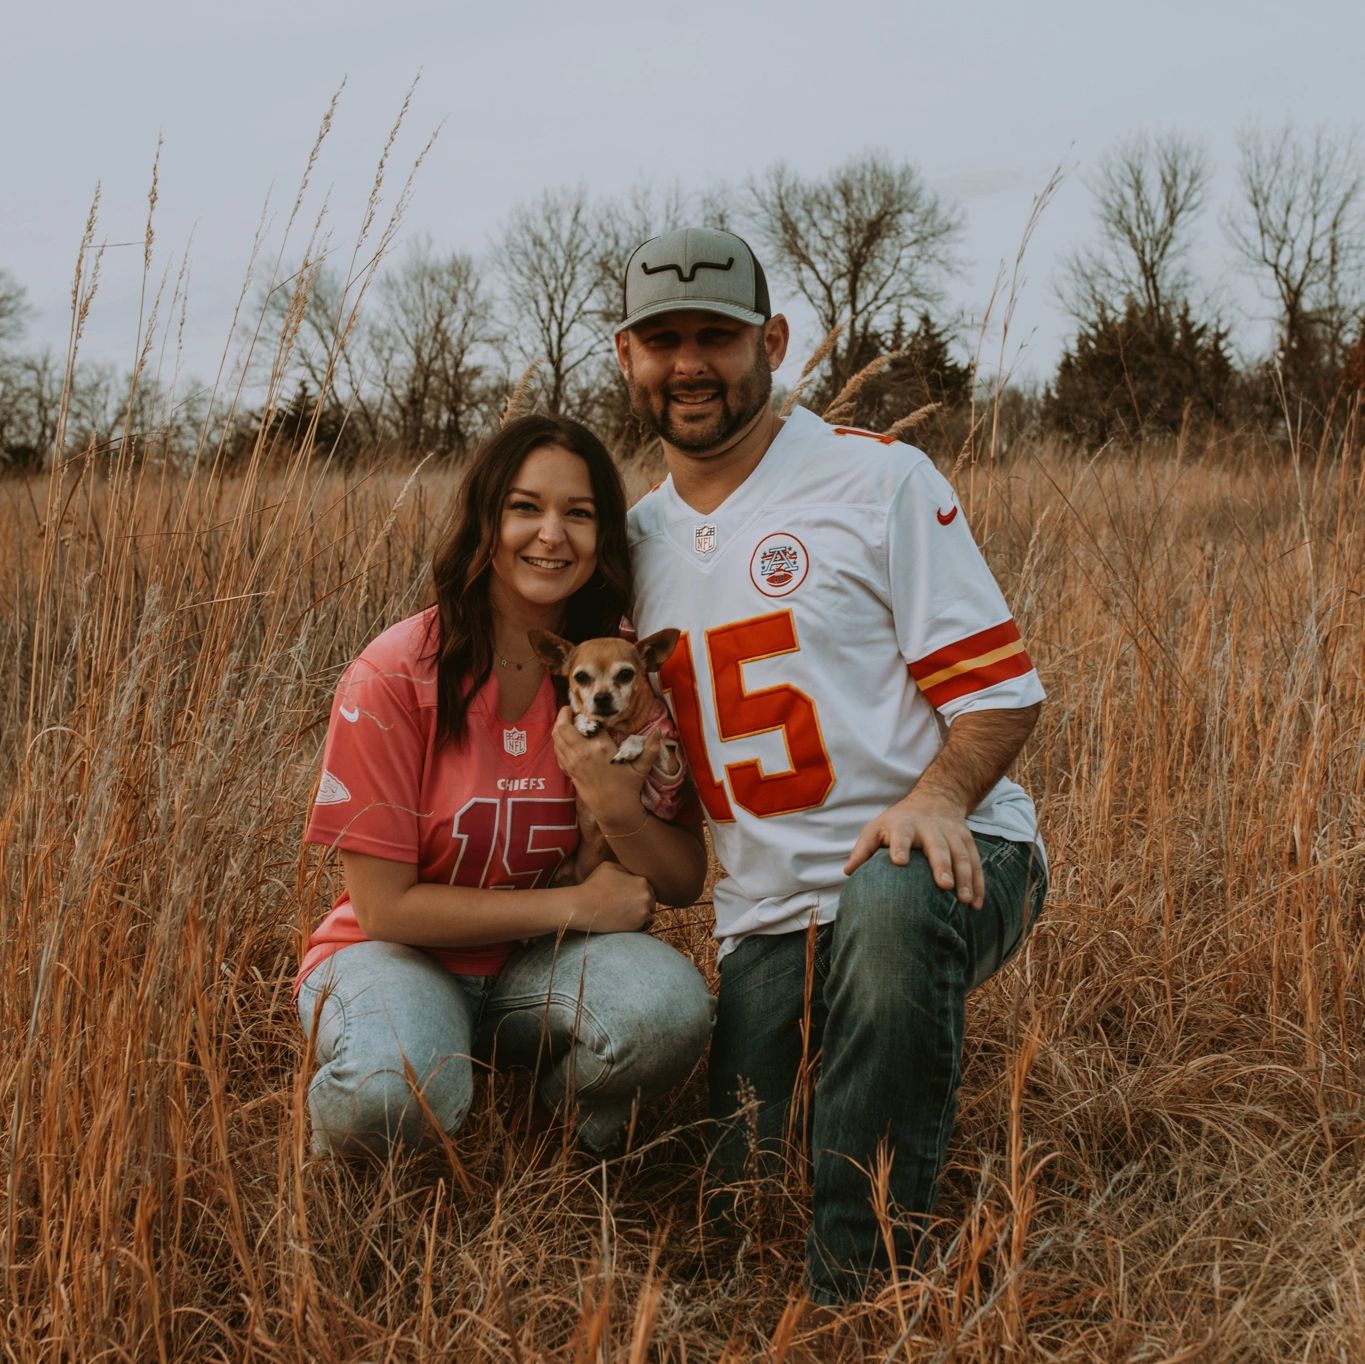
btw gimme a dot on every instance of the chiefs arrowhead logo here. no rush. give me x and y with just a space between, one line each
946 519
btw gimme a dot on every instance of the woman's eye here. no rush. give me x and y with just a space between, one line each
583 513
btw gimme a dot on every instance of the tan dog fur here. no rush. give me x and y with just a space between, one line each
608 689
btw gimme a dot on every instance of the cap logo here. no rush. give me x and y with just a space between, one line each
692 273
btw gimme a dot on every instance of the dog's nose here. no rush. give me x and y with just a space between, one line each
602 703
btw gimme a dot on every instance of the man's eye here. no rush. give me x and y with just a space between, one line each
582 677
626 675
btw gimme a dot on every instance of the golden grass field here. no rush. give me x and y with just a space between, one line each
1162 1127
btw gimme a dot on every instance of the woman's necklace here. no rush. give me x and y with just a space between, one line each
514 663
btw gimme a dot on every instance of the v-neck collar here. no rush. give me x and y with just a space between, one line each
753 487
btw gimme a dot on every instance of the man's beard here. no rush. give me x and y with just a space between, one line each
748 396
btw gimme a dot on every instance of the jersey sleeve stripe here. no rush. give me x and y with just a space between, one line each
1014 664
964 651
970 665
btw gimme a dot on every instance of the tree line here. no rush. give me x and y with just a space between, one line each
421 355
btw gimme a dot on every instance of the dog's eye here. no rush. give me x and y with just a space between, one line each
625 675
582 677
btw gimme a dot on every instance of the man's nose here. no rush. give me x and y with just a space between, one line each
689 358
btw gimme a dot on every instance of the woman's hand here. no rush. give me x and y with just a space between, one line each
611 791
614 900
671 857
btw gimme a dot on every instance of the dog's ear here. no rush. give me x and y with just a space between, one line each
550 649
656 648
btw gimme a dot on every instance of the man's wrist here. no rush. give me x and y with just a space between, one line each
939 797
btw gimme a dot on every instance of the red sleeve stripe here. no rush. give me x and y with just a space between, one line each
972 664
925 670
999 667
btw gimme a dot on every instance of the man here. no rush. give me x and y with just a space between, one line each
850 690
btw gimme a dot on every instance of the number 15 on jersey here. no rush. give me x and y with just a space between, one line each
742 714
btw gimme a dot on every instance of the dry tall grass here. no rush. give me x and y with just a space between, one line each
1160 1147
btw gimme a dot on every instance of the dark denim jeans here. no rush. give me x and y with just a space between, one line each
888 980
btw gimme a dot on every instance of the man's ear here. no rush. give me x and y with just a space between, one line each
656 649
551 650
776 337
623 352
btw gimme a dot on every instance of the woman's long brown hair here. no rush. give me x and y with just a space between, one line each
461 567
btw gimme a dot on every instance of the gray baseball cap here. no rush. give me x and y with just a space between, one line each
701 268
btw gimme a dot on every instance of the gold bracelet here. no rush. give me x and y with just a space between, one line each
637 829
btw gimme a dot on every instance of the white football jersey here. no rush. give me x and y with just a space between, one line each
836 616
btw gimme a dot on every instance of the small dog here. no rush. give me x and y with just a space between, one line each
609 689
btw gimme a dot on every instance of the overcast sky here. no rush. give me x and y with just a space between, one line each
984 98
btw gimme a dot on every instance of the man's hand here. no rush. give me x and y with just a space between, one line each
977 752
936 827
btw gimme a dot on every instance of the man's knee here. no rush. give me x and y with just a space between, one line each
888 912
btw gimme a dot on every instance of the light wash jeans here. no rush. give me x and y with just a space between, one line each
604 1020
888 978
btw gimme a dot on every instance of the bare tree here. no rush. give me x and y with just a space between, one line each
13 307
314 306
30 396
555 260
1148 193
1301 225
866 244
434 319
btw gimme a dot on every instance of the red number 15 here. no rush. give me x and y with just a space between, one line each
741 714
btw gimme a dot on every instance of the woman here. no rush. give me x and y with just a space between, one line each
442 792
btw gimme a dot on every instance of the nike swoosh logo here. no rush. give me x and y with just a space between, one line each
350 716
946 520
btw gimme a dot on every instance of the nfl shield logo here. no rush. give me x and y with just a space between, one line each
704 538
514 741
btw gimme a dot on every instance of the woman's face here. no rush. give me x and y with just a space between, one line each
547 544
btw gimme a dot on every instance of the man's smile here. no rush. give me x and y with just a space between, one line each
694 399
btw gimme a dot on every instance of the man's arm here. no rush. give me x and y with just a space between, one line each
978 751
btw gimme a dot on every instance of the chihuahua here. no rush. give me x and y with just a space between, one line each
609 689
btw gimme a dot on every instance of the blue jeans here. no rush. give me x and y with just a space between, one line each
884 1014
603 1020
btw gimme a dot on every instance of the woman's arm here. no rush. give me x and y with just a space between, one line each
392 905
671 857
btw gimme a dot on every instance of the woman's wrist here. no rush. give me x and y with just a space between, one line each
618 816
569 907
627 826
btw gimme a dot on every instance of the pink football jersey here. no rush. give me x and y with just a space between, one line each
493 811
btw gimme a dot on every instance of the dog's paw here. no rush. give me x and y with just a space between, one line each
631 748
586 725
